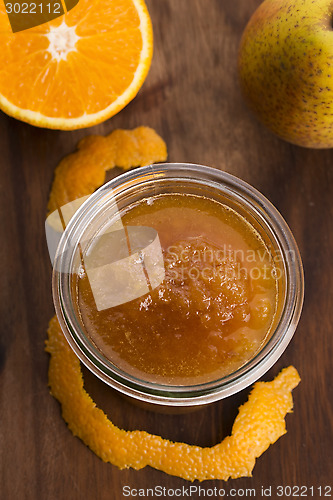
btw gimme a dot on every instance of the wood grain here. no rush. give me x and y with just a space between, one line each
192 98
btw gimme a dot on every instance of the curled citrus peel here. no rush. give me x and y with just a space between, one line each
260 422
80 173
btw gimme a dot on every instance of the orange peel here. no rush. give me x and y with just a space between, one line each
80 173
260 422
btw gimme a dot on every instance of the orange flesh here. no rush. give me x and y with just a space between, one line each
212 312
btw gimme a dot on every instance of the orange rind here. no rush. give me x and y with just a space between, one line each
260 422
80 173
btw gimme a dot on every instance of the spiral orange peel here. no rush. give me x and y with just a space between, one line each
80 173
260 422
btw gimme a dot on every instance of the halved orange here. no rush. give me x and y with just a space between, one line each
77 70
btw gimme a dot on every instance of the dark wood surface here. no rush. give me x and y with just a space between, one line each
192 98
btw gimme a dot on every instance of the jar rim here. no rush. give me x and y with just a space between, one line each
181 395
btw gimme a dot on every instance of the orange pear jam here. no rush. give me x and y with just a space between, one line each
213 310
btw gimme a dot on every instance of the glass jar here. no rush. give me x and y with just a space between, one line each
143 183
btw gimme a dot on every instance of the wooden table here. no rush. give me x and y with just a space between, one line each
192 98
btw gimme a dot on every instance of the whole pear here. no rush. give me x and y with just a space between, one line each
286 69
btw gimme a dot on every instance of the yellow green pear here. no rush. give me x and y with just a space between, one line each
286 69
